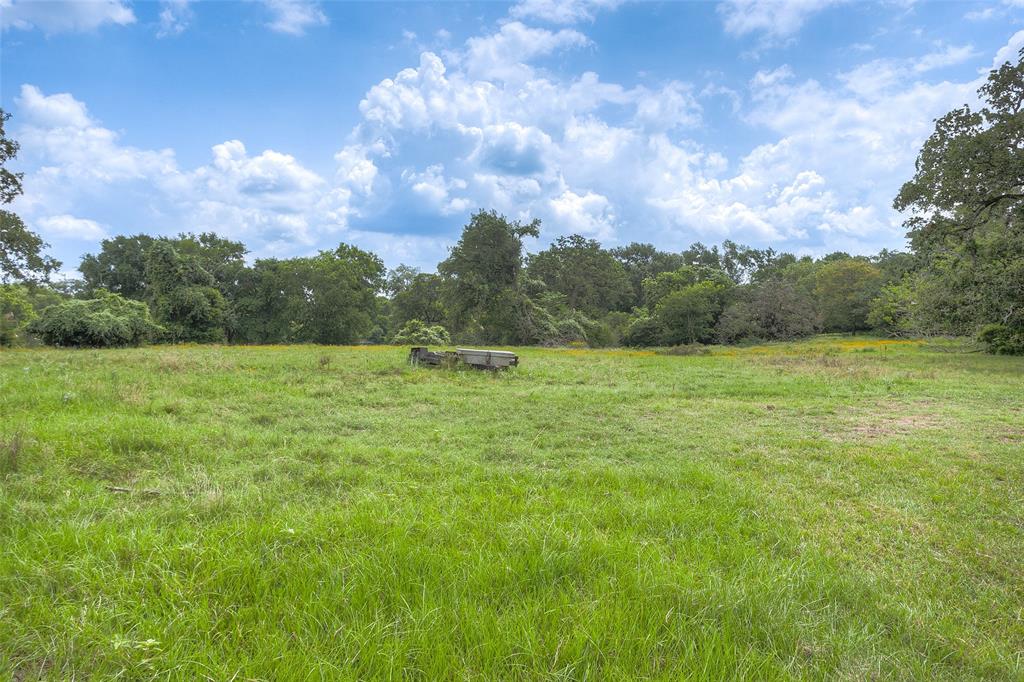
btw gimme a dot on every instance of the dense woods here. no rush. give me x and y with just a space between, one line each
963 276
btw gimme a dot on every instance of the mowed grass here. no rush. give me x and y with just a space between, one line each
840 508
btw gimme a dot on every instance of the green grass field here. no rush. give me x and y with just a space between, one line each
838 508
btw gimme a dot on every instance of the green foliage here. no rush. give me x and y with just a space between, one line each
894 265
613 328
223 259
420 296
966 202
330 298
418 333
184 299
688 315
16 311
119 267
1002 340
483 296
21 257
590 278
642 262
106 321
772 311
665 283
844 288
739 263
643 331
546 319
893 312
10 182
21 250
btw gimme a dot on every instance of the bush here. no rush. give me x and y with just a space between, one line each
615 324
687 315
15 313
1002 340
417 333
771 311
738 323
106 321
563 332
892 311
643 331
193 314
600 334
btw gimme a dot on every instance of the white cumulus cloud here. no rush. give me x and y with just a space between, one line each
64 16
771 18
294 17
69 227
562 11
175 16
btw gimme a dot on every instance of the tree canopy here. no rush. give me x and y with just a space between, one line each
21 250
966 216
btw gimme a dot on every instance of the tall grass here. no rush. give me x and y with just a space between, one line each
796 511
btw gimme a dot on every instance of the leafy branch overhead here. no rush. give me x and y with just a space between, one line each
21 250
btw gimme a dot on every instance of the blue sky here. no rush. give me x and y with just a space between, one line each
294 125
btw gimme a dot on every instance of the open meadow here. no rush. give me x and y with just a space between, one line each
838 508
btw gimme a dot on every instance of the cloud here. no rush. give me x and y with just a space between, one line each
435 191
270 175
672 106
513 149
503 55
980 14
484 125
879 76
948 56
53 111
355 169
1008 52
64 16
69 227
267 197
293 17
590 214
774 19
534 146
562 11
58 128
175 16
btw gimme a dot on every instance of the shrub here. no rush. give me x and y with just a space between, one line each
15 313
772 311
600 334
737 323
192 314
416 332
687 315
106 321
643 331
564 331
892 311
615 324
1002 340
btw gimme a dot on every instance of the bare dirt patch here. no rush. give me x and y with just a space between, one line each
888 420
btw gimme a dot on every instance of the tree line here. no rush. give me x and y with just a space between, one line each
963 275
